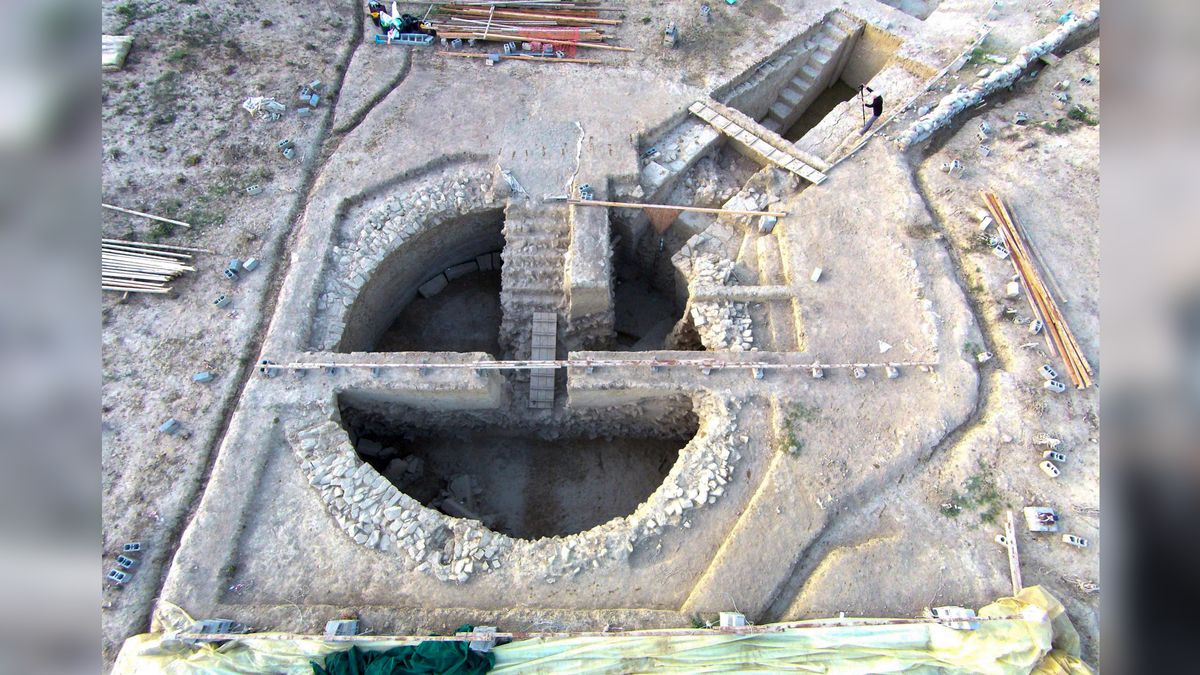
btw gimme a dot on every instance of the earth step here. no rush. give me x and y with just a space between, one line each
517 267
548 256
772 124
810 72
780 110
827 42
553 237
821 58
791 95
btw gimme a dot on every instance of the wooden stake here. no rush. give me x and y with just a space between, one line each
503 36
515 14
145 215
694 209
163 246
519 57
1014 560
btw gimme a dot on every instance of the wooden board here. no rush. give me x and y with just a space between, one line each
544 345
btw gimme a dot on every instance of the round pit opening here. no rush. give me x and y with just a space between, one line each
438 292
525 478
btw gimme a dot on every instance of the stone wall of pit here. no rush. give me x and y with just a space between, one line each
392 244
374 513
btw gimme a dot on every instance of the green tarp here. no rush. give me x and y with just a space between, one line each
425 658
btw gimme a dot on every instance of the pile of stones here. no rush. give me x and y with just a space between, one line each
960 99
375 513
722 325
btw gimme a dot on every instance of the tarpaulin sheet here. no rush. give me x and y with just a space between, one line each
1031 634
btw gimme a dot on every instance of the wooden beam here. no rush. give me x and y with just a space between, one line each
519 57
694 209
1014 560
162 246
515 14
498 35
145 215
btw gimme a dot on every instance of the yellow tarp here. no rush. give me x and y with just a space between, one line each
1036 637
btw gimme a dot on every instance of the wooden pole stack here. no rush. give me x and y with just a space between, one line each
1043 302
136 267
566 24
674 207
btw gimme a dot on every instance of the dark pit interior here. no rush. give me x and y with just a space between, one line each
465 317
523 477
646 303
822 105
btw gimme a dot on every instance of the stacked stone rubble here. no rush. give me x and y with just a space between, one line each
374 513
723 325
961 99
366 241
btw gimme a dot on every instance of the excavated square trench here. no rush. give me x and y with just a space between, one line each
527 478
794 92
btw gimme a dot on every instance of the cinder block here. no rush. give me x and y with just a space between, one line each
461 270
433 286
485 262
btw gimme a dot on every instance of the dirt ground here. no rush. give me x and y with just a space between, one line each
176 142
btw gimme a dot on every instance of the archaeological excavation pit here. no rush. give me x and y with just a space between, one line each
439 292
805 82
524 478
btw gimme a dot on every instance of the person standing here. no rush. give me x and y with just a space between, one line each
876 107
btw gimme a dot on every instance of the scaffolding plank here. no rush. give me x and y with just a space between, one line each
543 347
758 138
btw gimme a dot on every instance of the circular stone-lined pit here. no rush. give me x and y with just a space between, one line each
522 477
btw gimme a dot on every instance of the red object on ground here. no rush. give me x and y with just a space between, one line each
560 35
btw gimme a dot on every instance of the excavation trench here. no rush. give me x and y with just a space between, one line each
527 478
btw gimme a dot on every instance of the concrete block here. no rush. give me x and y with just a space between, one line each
654 175
202 376
483 645
132 547
433 286
484 262
461 270
732 619
341 627
1054 386
126 562
250 264
169 427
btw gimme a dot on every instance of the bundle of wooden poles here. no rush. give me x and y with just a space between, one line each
137 267
566 24
1059 336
